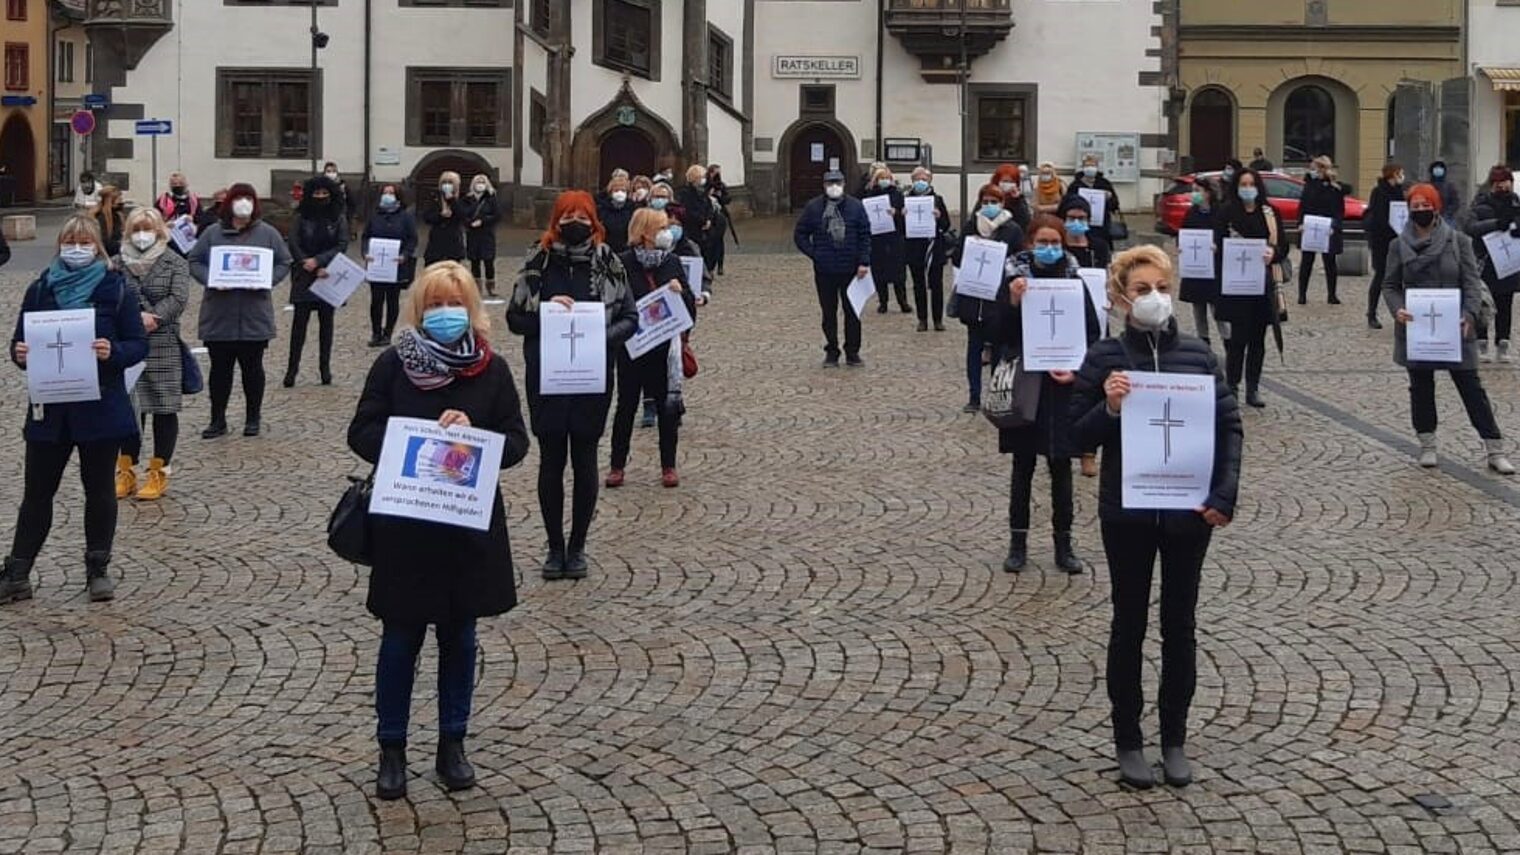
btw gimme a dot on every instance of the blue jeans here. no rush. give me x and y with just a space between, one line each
397 666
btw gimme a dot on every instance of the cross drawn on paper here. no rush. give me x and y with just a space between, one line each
340 278
1434 316
572 336
60 345
1246 253
981 264
1166 423
918 213
1194 248
382 255
1052 313
1508 247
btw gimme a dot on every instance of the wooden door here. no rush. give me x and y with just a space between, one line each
814 151
19 154
626 148
1212 129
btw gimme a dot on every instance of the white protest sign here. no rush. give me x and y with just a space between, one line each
981 271
1435 334
233 267
384 260
1504 250
695 268
920 213
662 317
1055 324
61 367
860 290
343 278
572 349
1167 434
1316 233
1096 280
1245 268
436 475
1098 200
1195 253
182 232
879 209
1398 216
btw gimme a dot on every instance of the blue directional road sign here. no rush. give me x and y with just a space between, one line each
17 101
154 127
96 102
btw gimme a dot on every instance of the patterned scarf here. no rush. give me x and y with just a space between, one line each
138 262
430 365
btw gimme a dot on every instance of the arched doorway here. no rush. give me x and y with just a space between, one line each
1308 125
1211 129
424 178
814 150
18 151
630 149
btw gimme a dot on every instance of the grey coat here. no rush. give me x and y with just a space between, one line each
238 315
1445 259
163 292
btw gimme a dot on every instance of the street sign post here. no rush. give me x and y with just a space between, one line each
153 129
83 122
95 101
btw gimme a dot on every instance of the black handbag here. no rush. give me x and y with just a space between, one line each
190 380
348 534
1118 230
1012 399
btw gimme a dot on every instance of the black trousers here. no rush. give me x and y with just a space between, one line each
1504 318
483 265
325 315
247 356
1422 401
1379 270
832 290
384 308
1245 350
1131 549
1306 268
1021 489
45 462
638 380
716 250
165 438
929 290
554 452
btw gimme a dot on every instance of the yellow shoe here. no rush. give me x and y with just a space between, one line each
157 482
126 478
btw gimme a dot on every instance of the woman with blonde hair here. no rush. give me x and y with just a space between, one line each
615 210
1048 189
445 224
1141 288
888 255
442 369
80 277
1323 196
698 205
161 280
480 212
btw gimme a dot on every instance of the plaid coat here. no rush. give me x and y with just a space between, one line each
163 292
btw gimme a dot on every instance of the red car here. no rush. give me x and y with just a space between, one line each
1283 192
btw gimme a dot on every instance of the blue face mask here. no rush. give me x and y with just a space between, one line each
1438 172
1248 194
658 203
388 201
884 183
1076 228
675 232
991 211
1049 256
920 187
446 324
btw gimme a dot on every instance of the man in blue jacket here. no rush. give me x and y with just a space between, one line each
835 233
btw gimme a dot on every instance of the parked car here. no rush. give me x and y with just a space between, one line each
1283 191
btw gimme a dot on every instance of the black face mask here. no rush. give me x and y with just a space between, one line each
574 233
177 190
1423 219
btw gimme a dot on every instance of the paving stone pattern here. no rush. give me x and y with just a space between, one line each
808 647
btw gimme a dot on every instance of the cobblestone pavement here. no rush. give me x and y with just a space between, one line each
808 647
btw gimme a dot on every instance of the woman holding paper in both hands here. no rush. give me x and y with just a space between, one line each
318 235
990 222
1140 284
391 221
1496 209
570 264
441 368
79 278
1202 293
1432 254
1249 316
888 264
1324 196
926 256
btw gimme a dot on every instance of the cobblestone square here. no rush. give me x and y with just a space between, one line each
807 647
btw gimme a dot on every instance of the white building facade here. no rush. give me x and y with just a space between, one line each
1493 51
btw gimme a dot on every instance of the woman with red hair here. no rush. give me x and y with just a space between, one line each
570 264
1010 182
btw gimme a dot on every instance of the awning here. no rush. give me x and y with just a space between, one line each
1504 79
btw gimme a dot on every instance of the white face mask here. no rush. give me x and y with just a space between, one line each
479 189
619 196
446 189
833 191
1006 186
640 194
242 208
664 240
1151 311
144 240
76 255
331 173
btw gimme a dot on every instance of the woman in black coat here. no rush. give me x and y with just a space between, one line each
318 235
926 256
615 210
1390 188
1250 216
441 369
1141 286
1323 196
1496 209
717 249
571 263
480 211
1203 293
699 207
391 221
1087 245
990 222
1050 436
888 265
445 223
111 216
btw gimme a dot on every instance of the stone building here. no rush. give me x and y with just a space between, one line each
24 96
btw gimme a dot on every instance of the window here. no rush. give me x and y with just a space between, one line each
1282 188
267 113
1308 125
481 4
60 145
818 100
720 64
626 36
538 16
468 107
89 63
65 57
18 63
1002 128
1512 129
279 2
15 10
538 120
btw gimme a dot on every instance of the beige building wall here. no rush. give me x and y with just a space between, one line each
24 129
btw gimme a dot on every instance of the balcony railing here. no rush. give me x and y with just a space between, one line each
933 31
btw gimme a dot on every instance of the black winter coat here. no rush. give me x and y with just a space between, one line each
395 225
925 252
1170 352
974 312
480 241
1097 253
427 572
320 238
1235 221
445 234
887 249
1100 182
699 211
641 281
1201 290
1492 212
615 220
1379 235
1322 198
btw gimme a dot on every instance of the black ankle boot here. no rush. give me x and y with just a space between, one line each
16 580
217 428
452 767
390 781
1253 397
1018 552
97 578
290 379
1066 555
